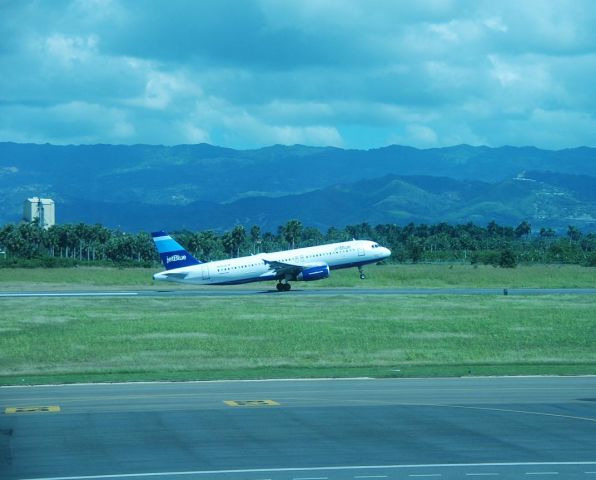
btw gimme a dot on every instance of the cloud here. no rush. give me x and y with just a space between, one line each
552 128
247 73
68 123
69 50
228 122
193 133
162 89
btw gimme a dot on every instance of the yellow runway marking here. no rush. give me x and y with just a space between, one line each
251 403
51 409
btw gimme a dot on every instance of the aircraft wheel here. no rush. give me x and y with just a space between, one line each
280 287
362 276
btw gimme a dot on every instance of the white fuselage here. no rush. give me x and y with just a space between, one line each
256 268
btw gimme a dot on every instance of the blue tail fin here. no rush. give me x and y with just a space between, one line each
172 254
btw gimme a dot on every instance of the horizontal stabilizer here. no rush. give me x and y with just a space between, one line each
176 275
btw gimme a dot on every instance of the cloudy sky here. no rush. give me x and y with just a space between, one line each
348 73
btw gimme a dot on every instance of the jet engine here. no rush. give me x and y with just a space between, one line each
314 271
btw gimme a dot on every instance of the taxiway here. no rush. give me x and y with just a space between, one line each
504 428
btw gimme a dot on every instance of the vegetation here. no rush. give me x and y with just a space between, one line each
421 275
77 339
70 245
52 340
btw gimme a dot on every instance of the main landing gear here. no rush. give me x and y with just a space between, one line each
362 274
283 287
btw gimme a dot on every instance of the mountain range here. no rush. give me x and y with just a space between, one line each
143 187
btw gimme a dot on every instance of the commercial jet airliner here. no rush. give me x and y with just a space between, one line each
306 264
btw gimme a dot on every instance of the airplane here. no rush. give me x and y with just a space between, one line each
301 264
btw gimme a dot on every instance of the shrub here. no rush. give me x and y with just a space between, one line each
497 258
590 260
507 259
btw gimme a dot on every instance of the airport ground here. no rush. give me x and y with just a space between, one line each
503 428
349 332
109 325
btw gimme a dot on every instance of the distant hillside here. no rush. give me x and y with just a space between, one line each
390 199
202 186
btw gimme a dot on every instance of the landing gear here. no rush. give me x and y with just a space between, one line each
362 274
283 287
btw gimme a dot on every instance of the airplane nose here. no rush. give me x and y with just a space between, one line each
386 252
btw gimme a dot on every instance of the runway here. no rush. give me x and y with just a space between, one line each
322 292
505 428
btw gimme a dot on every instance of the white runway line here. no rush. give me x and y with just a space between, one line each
71 294
328 469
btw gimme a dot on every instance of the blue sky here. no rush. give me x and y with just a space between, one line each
346 73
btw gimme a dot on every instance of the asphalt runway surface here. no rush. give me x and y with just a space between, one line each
503 428
215 291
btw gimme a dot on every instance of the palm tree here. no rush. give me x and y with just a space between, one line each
573 233
291 232
238 237
207 242
255 236
228 243
523 229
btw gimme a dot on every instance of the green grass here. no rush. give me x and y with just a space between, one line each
483 276
47 340
75 278
441 275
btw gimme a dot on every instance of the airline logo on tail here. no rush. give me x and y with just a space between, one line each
172 254
175 258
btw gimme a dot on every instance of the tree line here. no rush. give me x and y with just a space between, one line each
499 245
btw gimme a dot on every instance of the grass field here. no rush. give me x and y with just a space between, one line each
54 340
433 275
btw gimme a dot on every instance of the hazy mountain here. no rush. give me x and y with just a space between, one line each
202 186
390 199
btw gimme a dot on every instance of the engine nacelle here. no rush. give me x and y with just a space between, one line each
315 271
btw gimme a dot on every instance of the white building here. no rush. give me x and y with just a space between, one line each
41 210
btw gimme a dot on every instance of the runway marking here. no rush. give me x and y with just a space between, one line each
542 473
251 403
311 478
71 294
50 409
316 469
507 410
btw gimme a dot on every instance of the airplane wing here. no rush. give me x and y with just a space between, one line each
284 269
293 271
